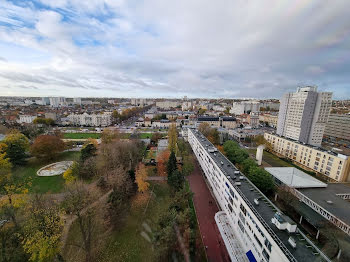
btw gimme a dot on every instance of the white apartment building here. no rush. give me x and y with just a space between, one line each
270 119
187 105
303 115
338 126
26 119
167 104
252 227
334 166
57 101
244 107
77 100
85 119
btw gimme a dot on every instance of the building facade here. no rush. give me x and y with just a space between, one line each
338 126
245 107
303 115
90 120
259 230
335 167
26 119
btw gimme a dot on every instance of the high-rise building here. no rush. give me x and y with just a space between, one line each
77 100
303 115
45 101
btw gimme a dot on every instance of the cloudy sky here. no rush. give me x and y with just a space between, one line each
159 48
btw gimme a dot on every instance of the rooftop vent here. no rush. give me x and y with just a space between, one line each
256 201
292 242
329 202
238 183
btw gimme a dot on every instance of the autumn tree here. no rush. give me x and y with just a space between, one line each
17 147
47 146
119 200
213 136
155 137
162 159
42 230
109 135
204 128
76 200
141 177
44 121
172 134
5 165
88 151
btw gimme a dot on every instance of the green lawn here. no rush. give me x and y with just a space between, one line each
81 135
52 184
271 159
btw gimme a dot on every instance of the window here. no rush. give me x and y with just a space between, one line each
268 245
266 255
243 209
257 240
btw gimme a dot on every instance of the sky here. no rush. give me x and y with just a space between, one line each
157 48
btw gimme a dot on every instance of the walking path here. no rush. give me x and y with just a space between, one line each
206 209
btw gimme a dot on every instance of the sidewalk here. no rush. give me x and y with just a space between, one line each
206 209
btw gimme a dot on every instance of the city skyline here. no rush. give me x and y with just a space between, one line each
105 48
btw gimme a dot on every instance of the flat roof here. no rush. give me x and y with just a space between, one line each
264 211
294 177
338 207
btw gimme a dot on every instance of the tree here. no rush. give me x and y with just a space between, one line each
162 159
234 153
42 231
119 200
77 198
5 167
187 167
44 121
88 151
262 179
155 137
171 165
204 128
172 134
201 111
141 176
88 169
260 140
47 146
176 179
247 164
72 173
17 147
213 136
109 135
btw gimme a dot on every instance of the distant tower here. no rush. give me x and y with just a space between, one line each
259 154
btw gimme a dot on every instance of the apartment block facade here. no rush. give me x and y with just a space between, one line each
260 232
334 166
303 115
338 126
85 119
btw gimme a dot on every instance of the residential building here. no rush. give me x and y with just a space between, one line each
54 101
303 115
163 123
253 119
338 126
26 119
270 119
45 101
85 119
51 115
333 166
167 104
228 122
77 100
252 227
245 107
212 121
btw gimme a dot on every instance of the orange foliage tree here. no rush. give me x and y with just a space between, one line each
140 178
162 159
47 146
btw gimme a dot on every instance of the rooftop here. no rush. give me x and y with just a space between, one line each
294 177
338 206
265 211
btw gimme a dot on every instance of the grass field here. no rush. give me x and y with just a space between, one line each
271 159
52 184
81 135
